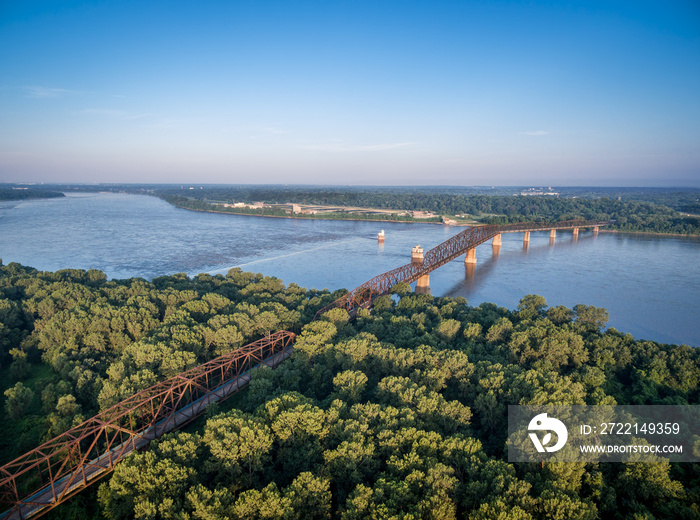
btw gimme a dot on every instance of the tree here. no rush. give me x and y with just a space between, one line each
338 317
310 497
266 504
560 315
401 289
448 329
589 316
350 385
383 303
17 400
152 484
20 366
239 445
531 306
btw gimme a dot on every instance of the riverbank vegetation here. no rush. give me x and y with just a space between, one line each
400 413
625 215
648 210
26 193
201 205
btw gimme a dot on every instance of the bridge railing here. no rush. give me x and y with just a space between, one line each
62 466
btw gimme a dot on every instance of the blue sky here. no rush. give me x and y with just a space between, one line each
351 92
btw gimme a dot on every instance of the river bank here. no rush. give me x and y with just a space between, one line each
649 233
415 221
316 217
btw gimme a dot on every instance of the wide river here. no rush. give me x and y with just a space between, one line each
649 284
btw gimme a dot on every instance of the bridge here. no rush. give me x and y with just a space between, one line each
62 467
58 469
463 243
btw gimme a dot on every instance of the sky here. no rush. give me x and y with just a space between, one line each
562 93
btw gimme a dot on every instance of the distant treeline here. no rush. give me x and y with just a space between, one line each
200 205
651 210
628 215
10 194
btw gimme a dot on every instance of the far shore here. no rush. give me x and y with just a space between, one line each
323 218
648 233
602 230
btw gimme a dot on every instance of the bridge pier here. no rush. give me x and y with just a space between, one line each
417 255
552 234
471 256
497 240
423 282
469 271
526 236
595 230
575 232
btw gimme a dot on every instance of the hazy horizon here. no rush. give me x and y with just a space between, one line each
408 187
488 93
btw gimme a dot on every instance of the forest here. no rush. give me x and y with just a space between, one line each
201 205
24 194
648 210
400 413
626 215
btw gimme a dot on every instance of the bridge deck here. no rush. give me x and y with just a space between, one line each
362 296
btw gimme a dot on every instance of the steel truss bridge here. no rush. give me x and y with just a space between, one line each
50 474
361 297
62 467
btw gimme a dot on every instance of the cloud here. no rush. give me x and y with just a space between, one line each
114 114
46 92
536 132
339 147
274 130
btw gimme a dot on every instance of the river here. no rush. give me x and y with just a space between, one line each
649 284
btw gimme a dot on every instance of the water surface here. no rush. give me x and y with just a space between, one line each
649 284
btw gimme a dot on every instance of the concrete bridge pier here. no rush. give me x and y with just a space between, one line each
423 282
552 234
469 271
575 233
471 256
496 245
595 230
417 255
526 237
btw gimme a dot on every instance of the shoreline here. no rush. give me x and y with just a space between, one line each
651 233
320 218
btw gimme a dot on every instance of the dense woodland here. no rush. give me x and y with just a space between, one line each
627 215
400 413
202 205
24 194
651 210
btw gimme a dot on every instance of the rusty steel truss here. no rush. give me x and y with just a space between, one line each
46 476
362 296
